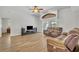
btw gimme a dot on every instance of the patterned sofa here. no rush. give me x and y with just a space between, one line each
53 31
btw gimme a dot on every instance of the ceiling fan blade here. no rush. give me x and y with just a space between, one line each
41 9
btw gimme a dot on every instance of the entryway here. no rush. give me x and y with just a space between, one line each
6 26
5 41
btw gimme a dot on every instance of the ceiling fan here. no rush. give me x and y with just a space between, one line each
36 9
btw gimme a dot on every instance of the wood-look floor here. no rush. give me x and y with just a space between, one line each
27 43
5 42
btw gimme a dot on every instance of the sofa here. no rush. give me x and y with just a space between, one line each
69 39
53 31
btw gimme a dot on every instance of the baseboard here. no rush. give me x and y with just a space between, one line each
15 34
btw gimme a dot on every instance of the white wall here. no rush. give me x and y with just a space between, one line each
38 22
19 22
68 19
19 17
0 27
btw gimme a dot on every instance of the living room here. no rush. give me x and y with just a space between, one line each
24 20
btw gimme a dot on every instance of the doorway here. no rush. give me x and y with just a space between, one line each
5 41
6 26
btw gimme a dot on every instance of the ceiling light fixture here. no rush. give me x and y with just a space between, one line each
36 9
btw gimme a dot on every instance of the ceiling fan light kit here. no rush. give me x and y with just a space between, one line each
36 9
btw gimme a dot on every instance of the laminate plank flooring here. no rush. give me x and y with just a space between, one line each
27 43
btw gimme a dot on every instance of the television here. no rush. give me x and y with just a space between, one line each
29 27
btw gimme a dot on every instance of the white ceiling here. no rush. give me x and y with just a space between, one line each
27 8
15 10
44 7
50 7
